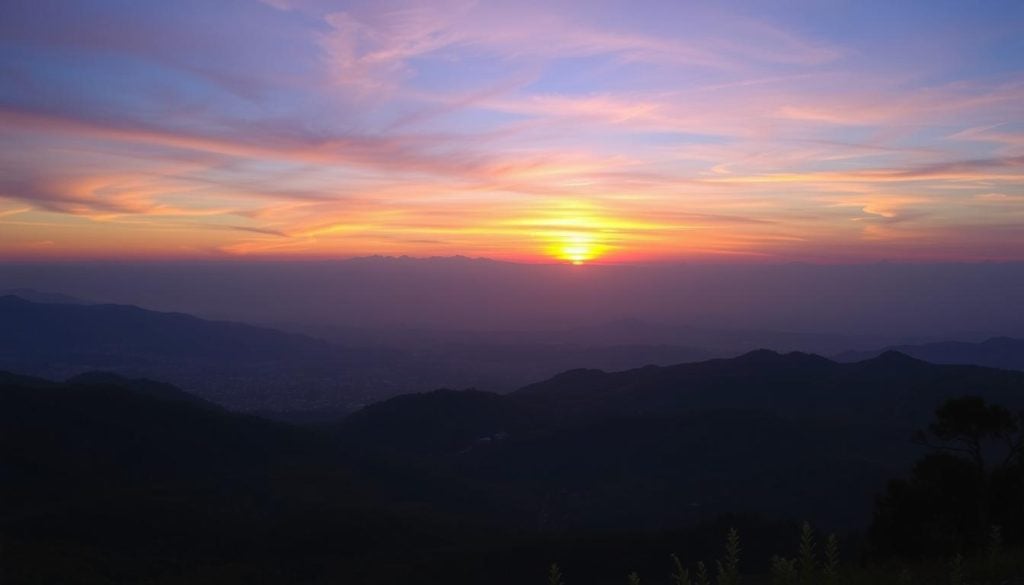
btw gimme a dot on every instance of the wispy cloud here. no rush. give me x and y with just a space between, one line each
500 129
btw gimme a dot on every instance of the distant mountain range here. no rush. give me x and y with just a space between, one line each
265 370
239 366
36 296
998 352
37 330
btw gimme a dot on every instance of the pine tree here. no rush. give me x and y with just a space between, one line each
807 556
729 568
784 571
830 570
555 575
702 574
680 576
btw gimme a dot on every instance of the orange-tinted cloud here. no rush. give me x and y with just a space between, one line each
527 131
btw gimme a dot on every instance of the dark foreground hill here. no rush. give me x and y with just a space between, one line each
109 480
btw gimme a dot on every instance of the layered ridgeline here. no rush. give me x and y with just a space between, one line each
251 368
259 369
792 435
135 478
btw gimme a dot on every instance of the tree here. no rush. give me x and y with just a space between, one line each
969 482
978 431
970 426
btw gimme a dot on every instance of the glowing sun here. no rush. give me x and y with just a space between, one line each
577 248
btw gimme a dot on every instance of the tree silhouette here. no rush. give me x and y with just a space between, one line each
979 431
968 425
970 482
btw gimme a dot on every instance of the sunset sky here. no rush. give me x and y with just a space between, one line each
584 131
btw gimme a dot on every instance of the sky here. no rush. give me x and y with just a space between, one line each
589 131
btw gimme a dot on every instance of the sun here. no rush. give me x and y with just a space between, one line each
572 231
577 248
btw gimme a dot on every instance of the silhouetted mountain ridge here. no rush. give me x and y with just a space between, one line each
996 352
763 432
793 385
